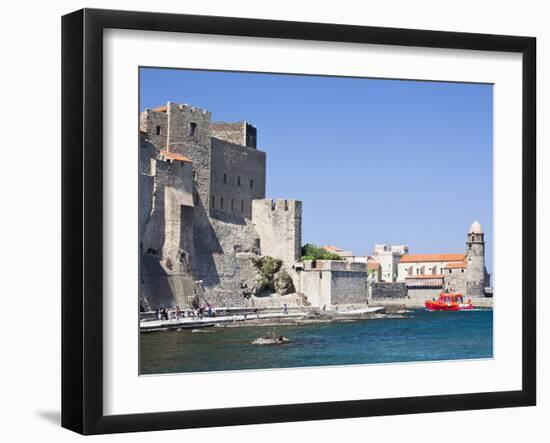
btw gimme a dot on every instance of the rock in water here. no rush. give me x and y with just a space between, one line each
269 340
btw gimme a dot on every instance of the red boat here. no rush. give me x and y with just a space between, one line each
448 302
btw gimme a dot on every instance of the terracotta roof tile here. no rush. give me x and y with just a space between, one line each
174 156
458 265
423 277
413 258
160 109
373 266
332 248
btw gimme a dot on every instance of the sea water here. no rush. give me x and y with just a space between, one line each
418 335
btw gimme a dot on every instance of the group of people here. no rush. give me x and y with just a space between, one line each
163 313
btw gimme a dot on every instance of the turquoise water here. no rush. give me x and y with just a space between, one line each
421 336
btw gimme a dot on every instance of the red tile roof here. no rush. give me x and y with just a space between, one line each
159 109
174 156
458 265
413 258
332 248
421 277
373 266
142 131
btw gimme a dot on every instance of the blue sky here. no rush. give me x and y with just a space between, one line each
373 161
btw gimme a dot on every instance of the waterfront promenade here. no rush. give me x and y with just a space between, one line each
155 325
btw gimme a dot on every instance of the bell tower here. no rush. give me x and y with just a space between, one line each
475 261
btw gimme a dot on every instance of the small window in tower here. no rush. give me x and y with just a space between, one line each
239 180
473 238
224 179
221 202
242 206
192 129
251 183
213 201
462 271
158 130
195 175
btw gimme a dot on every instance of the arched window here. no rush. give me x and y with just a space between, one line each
192 129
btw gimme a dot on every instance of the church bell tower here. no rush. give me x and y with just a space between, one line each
475 261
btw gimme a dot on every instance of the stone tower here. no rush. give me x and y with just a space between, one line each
475 264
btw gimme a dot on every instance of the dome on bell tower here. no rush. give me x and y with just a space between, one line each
475 228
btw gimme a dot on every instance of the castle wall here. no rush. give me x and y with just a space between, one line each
195 146
240 133
279 227
348 287
316 286
155 125
385 290
238 177
166 230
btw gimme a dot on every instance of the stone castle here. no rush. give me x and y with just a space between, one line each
203 211
204 219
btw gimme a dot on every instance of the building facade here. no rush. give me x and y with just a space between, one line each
388 256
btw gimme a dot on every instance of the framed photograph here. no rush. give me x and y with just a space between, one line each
269 221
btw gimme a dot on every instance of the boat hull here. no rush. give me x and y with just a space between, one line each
438 306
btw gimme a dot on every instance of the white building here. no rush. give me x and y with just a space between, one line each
419 265
388 256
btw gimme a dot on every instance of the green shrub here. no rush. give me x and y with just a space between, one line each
267 267
314 252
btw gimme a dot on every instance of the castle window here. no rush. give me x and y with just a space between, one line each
239 180
462 271
195 175
192 129
242 205
158 130
450 271
224 179
232 204
251 183
213 202
221 202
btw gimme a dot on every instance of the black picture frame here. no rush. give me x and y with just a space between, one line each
82 215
